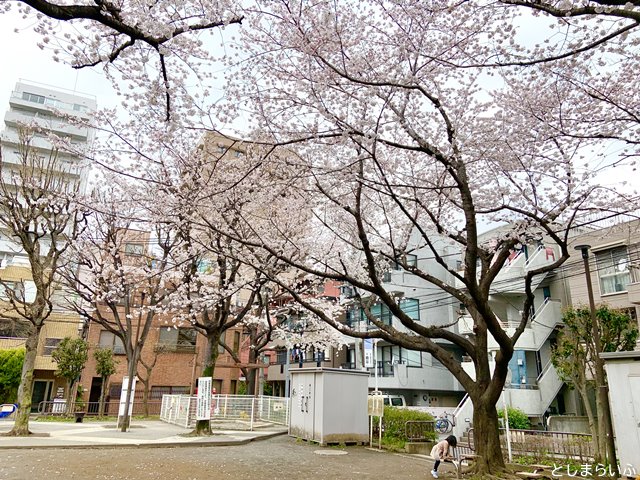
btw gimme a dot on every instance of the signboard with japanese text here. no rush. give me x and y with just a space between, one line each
123 395
203 403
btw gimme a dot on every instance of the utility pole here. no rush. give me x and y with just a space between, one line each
601 382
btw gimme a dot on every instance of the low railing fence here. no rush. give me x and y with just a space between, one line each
540 445
93 408
240 409
419 430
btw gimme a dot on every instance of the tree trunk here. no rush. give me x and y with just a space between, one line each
125 419
103 390
253 359
592 426
25 391
602 431
486 437
145 396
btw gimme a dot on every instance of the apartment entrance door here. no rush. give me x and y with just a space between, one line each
41 393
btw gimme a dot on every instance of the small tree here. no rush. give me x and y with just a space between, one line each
574 354
10 370
105 367
40 216
71 356
517 418
148 366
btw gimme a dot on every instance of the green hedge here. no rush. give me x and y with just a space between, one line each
517 418
394 421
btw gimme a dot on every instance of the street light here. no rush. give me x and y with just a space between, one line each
603 391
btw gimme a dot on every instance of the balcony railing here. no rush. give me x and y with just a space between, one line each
385 368
173 347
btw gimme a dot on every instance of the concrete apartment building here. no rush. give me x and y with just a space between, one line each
51 110
614 264
416 376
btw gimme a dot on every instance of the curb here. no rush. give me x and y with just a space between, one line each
223 443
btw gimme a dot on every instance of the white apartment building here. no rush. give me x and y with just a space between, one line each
534 385
421 379
49 110
54 111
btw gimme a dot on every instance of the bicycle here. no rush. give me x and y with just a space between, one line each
443 424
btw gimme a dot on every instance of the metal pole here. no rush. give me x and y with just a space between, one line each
193 371
506 424
603 390
286 374
375 361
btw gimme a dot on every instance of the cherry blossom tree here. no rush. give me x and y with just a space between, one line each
155 46
407 118
41 216
401 102
123 274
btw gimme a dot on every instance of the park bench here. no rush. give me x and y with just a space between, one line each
466 459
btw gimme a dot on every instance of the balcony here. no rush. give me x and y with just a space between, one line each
385 368
540 326
59 127
510 279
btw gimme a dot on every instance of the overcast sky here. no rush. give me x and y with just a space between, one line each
20 58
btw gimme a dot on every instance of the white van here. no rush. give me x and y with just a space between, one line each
392 400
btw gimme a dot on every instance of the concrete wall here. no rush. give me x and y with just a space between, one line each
623 372
568 423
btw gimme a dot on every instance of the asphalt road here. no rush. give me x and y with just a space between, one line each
277 458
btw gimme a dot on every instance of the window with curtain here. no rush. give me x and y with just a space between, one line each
613 270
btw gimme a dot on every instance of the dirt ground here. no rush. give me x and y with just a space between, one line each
278 458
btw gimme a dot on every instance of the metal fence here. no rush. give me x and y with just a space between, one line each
93 408
244 411
540 445
419 430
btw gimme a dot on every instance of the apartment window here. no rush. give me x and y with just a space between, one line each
281 357
178 339
17 288
411 307
409 259
32 97
382 312
111 341
50 344
236 342
613 270
133 248
158 391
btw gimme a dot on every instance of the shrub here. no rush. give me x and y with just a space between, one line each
10 373
517 418
394 424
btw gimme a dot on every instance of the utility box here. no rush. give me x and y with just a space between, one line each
329 405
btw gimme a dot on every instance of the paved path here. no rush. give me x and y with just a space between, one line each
148 433
91 451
